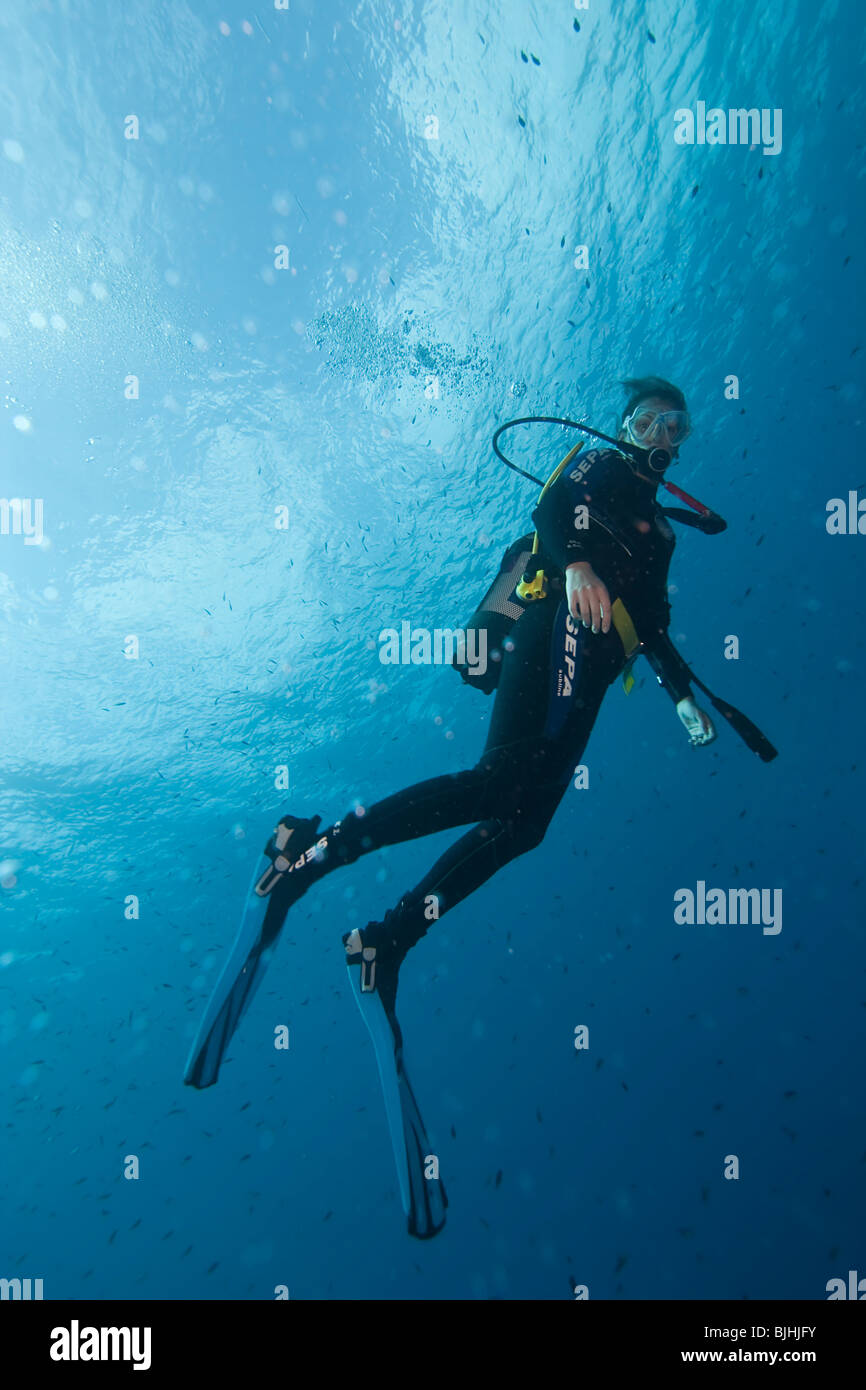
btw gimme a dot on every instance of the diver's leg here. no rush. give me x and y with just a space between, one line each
469 863
540 770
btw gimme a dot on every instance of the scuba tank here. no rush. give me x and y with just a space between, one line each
496 615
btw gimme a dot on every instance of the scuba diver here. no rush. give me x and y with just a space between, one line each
570 610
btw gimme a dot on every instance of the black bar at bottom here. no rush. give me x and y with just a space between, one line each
60 1338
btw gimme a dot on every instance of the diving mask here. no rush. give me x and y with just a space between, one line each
646 426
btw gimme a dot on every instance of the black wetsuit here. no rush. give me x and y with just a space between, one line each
553 678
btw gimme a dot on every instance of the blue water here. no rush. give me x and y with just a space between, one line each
311 388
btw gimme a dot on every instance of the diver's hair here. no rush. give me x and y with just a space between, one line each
638 388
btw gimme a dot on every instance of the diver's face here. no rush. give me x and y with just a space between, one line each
649 427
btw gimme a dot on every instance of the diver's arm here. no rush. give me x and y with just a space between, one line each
673 673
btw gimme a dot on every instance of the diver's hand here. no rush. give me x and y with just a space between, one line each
700 726
588 599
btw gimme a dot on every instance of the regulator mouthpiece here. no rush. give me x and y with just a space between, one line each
658 460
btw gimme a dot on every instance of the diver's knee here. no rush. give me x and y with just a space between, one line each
519 835
529 834
497 764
